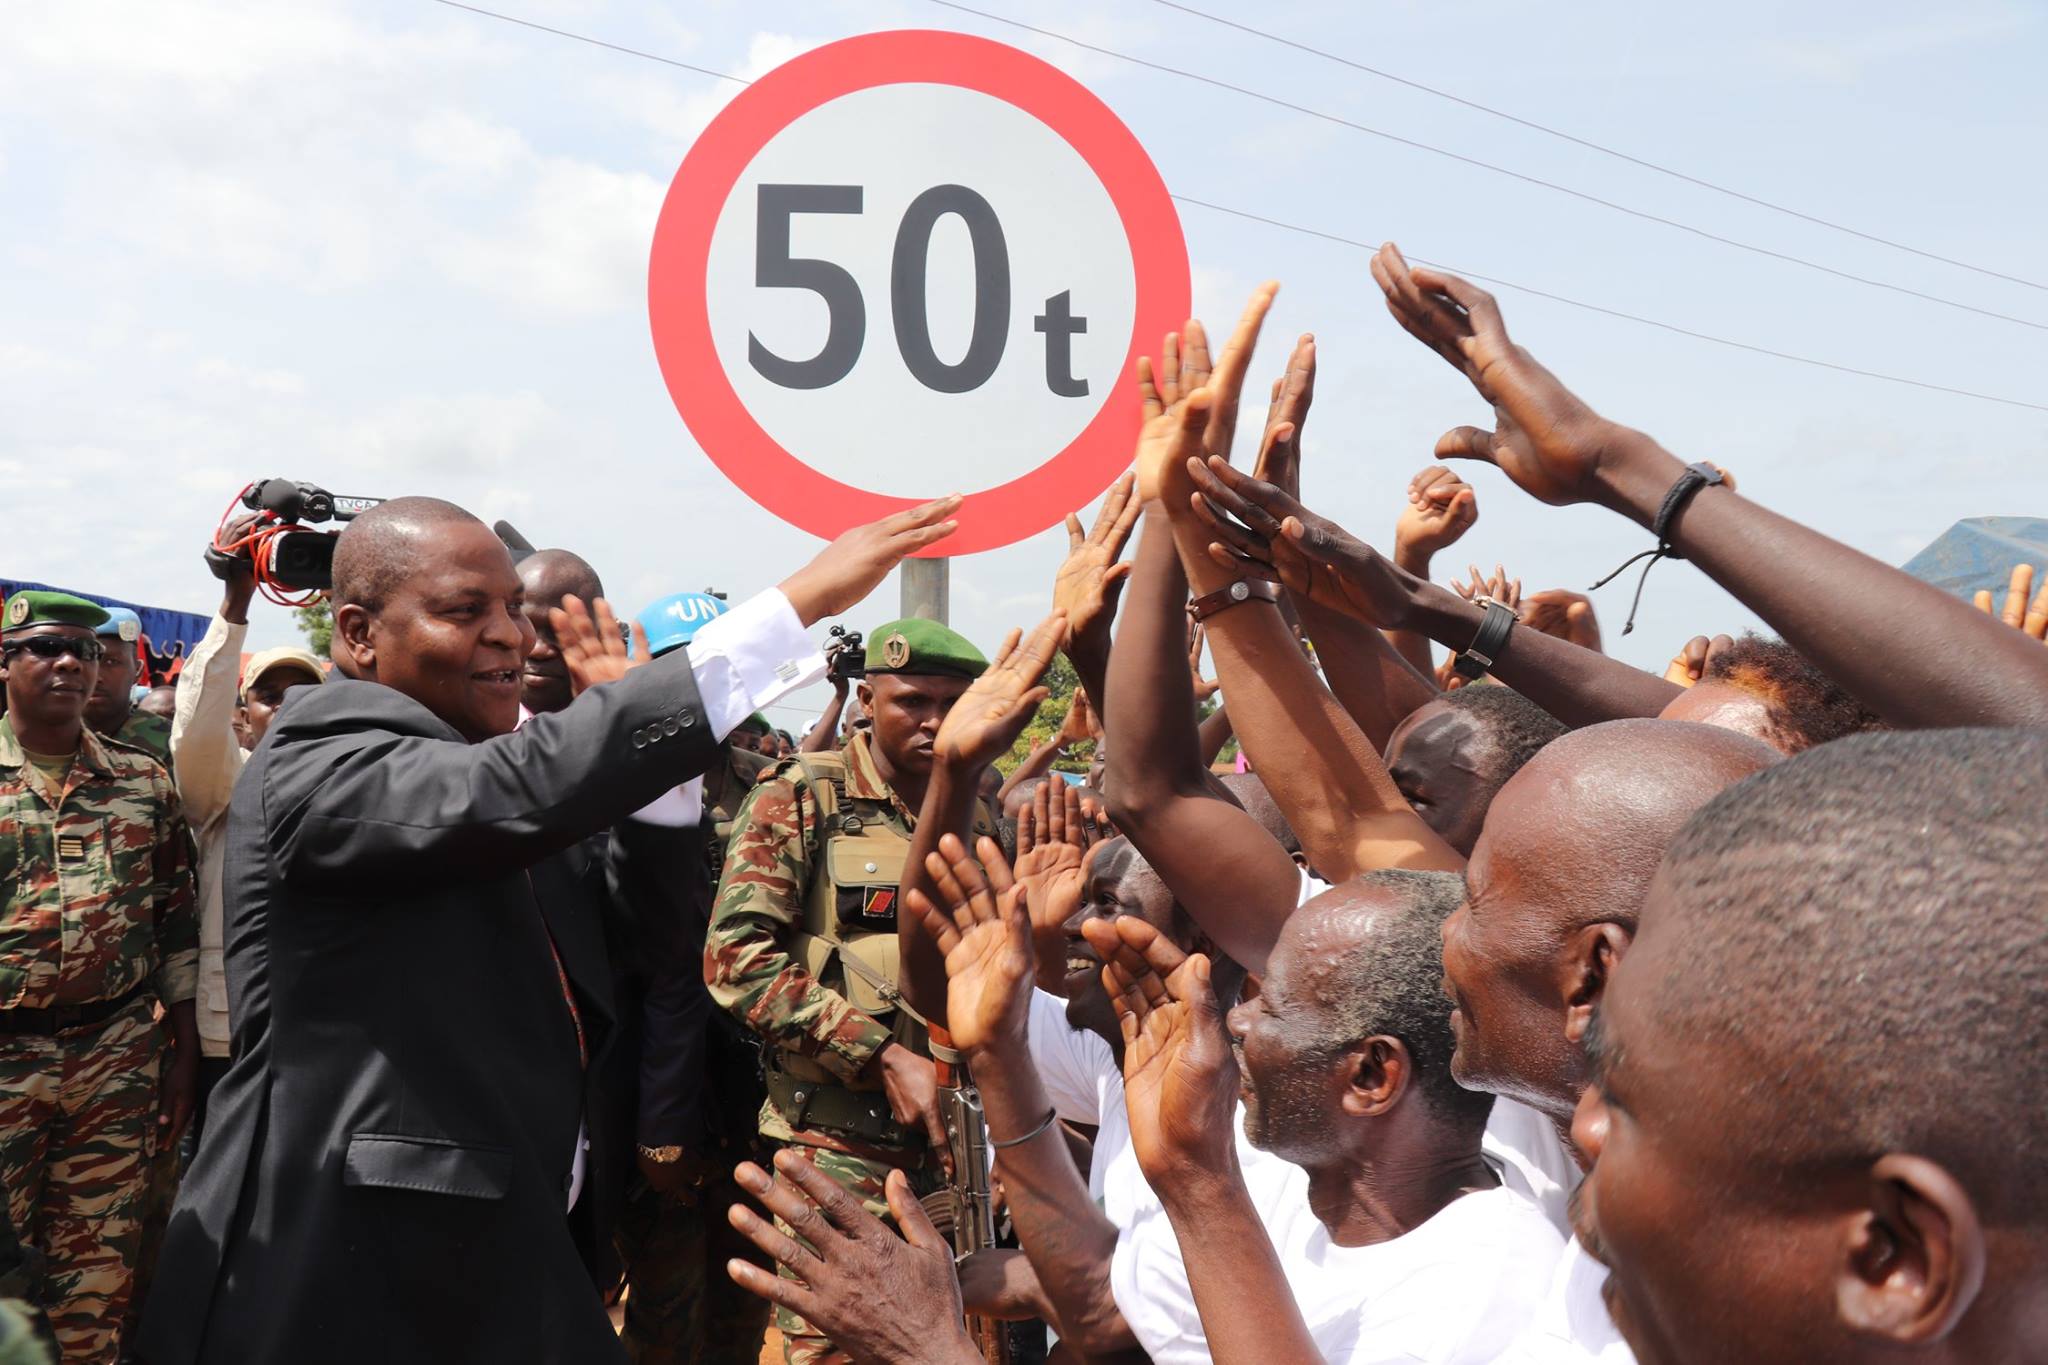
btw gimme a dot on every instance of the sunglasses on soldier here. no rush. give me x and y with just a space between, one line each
86 649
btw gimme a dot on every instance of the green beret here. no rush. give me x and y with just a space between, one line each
916 645
37 608
758 723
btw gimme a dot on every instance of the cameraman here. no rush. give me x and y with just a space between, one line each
843 663
218 719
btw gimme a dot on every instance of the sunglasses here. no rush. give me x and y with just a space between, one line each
86 649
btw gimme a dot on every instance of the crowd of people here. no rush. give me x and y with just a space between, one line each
510 989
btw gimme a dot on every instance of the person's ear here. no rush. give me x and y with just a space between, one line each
1380 1069
866 693
1589 960
352 645
1913 1261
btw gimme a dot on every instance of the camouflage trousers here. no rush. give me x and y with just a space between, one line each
682 1308
77 1123
802 1344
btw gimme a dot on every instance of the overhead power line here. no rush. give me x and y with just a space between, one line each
1493 167
1591 145
1355 242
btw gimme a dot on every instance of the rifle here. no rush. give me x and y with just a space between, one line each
973 1213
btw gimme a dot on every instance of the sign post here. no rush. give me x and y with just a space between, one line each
909 264
927 588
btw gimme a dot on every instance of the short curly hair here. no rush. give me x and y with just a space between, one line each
1804 706
1515 727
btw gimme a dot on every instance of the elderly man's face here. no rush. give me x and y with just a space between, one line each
1292 1085
1714 1255
1502 957
452 636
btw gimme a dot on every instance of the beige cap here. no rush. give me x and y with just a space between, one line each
284 656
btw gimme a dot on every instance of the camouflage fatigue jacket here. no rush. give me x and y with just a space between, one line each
96 879
747 963
151 734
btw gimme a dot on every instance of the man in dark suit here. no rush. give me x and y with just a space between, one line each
396 1142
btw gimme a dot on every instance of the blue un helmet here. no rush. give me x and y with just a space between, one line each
673 621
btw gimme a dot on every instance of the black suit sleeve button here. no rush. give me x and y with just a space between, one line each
670 726
687 719
639 739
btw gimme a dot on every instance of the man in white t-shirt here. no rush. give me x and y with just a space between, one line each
1387 1236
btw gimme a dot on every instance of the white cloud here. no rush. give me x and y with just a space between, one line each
226 374
1847 59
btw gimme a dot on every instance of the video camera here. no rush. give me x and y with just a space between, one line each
846 658
288 557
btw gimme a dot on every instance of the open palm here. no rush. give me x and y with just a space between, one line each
988 717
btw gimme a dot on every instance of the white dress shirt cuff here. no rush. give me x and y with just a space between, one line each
750 658
677 808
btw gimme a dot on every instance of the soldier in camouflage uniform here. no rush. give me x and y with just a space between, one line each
97 926
802 947
111 710
682 1308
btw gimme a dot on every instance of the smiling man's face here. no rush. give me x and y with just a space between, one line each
1119 882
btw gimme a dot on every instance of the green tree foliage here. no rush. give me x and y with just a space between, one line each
316 623
1052 713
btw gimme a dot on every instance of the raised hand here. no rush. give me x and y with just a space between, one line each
988 717
1565 614
1689 665
1441 508
1080 725
1180 1080
1091 579
1052 873
1544 438
1502 589
1265 533
978 922
1189 407
878 1295
1279 461
592 648
852 566
1198 638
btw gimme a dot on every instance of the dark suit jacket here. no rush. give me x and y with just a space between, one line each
385 1164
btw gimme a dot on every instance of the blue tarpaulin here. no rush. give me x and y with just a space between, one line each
1979 552
170 633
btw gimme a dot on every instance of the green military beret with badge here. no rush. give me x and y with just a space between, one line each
918 646
36 607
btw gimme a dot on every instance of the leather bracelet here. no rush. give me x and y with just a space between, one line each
1051 1117
1477 657
1236 595
1699 474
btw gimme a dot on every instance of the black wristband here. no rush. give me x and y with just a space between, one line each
1478 656
1697 475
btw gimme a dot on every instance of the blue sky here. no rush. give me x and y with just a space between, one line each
395 247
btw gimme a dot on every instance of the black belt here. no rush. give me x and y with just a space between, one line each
62 1018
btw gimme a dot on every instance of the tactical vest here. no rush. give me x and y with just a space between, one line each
856 848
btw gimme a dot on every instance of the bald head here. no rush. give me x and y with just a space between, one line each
384 546
1586 821
1554 888
551 575
1251 793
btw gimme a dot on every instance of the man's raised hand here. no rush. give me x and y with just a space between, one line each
1265 533
1441 508
1180 1080
882 1298
852 566
592 648
1689 665
980 925
1544 438
1279 459
1052 870
988 717
1092 578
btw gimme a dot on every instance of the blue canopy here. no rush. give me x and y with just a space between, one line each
1979 552
170 633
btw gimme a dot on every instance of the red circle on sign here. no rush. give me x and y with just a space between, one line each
677 303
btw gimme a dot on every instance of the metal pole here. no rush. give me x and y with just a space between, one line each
927 588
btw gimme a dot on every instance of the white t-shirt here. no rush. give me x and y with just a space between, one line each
1572 1327
1533 1160
1458 1288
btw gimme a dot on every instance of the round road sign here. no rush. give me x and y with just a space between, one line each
909 264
